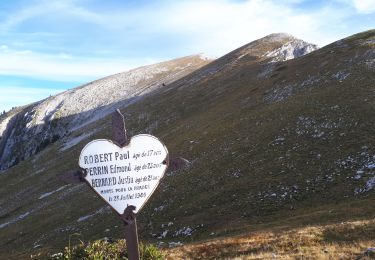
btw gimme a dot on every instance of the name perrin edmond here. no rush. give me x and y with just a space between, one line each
115 168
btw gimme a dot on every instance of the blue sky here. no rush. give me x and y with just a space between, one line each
47 46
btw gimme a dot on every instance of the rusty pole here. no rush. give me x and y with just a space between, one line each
128 217
131 235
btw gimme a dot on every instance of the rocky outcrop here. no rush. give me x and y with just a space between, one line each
293 48
32 128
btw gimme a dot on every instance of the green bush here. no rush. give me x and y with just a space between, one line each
106 250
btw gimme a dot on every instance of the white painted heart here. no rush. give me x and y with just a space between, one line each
125 176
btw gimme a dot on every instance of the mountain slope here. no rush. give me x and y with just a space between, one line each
57 116
272 143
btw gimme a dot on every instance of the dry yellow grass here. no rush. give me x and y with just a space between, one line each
347 240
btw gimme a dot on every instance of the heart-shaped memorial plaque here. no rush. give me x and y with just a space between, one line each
125 176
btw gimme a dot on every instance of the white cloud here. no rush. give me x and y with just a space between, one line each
217 27
221 26
62 66
44 8
212 27
364 6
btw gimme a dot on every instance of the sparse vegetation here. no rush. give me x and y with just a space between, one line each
285 171
313 242
102 250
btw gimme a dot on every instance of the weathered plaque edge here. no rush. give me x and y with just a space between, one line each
166 160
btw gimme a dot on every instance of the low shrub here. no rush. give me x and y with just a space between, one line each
106 250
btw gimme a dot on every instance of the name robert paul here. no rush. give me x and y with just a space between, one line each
106 157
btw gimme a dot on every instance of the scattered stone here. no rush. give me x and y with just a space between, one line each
370 252
175 244
160 244
37 246
163 235
185 231
57 255
160 208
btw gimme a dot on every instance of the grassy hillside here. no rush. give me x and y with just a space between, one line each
279 146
